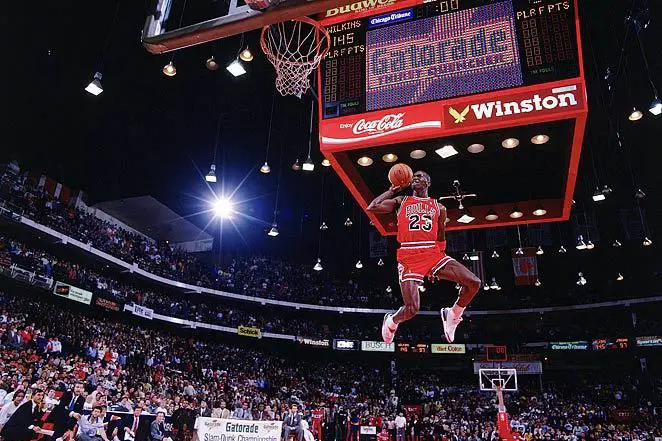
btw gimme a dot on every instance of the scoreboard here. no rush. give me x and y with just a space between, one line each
403 52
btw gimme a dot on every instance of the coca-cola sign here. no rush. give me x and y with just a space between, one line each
386 123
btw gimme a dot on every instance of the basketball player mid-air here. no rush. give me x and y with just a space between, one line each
421 234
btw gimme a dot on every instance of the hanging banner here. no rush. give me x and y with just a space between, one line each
216 429
377 346
72 293
525 266
522 368
143 312
249 331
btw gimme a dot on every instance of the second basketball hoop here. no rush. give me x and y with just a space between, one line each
295 48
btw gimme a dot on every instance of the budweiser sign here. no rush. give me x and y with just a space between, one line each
386 123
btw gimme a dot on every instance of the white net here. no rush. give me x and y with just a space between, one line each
295 48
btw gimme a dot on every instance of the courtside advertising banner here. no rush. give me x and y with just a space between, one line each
446 348
143 312
377 346
317 342
649 341
569 345
522 368
216 429
249 331
345 345
72 293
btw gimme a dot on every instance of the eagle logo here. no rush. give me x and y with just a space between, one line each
459 116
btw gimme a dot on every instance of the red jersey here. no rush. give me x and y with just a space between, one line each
318 414
418 221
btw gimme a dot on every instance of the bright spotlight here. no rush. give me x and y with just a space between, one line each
223 208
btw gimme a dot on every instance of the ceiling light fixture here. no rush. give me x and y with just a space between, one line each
326 162
516 213
348 222
494 285
639 194
656 107
598 195
246 55
389 289
223 208
491 215
589 245
562 250
540 251
446 151
211 64
95 87
365 161
296 166
647 242
417 154
519 251
318 265
539 211
265 168
390 157
358 265
421 288
539 139
475 148
581 245
465 216
619 277
324 227
617 243
581 281
474 256
510 143
308 164
538 282
495 255
169 69
211 176
273 232
380 262
465 257
635 115
236 68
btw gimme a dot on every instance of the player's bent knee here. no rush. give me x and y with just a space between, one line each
473 284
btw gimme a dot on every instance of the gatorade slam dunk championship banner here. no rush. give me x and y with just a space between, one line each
216 429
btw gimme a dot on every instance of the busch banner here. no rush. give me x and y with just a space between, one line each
522 368
525 266
216 429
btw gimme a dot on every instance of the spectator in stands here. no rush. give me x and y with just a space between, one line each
25 423
157 430
9 409
135 426
91 427
400 427
204 411
243 412
221 411
292 423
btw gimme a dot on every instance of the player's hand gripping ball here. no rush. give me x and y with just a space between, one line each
400 176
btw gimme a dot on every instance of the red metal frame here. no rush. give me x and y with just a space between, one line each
433 120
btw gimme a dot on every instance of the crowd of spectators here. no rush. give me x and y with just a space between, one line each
213 310
122 367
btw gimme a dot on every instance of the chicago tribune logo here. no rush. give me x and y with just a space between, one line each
386 123
560 97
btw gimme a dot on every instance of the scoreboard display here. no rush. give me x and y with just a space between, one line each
429 51
414 348
601 344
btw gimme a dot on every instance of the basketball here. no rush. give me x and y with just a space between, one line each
400 175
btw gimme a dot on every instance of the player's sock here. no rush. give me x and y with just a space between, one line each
457 310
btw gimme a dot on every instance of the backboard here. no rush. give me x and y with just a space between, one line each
497 380
176 24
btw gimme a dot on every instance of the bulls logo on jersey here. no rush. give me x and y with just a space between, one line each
418 221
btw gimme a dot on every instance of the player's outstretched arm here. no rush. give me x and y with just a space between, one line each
386 202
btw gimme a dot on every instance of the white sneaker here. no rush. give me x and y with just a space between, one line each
450 323
388 333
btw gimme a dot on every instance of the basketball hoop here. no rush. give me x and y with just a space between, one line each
295 48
